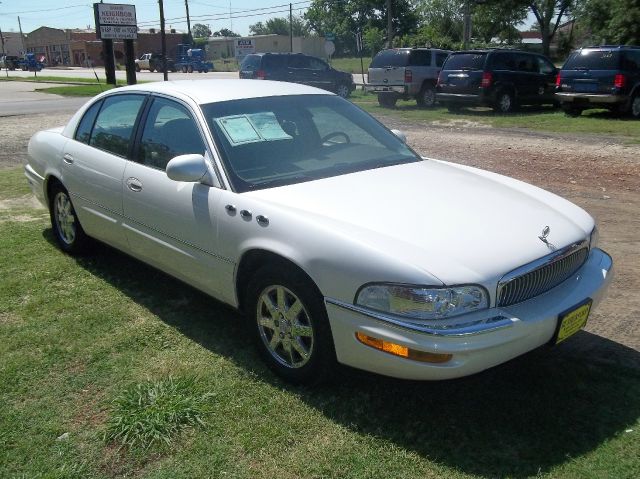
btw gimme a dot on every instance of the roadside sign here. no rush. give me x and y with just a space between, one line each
330 37
115 21
244 47
329 48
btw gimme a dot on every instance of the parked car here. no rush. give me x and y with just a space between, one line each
153 62
404 73
9 62
501 79
336 240
601 77
297 68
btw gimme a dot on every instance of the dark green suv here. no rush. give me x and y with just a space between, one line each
601 77
501 79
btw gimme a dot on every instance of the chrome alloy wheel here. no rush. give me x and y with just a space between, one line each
343 91
285 326
504 103
65 217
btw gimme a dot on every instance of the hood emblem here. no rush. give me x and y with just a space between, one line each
543 237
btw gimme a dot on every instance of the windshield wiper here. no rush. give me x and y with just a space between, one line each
282 181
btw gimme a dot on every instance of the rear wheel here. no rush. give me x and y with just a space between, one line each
184 69
66 228
635 107
427 96
387 100
290 325
190 69
504 102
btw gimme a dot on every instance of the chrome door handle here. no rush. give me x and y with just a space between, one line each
68 159
134 184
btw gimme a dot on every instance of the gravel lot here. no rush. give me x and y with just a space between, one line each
600 174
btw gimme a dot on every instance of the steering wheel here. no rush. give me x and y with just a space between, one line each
333 134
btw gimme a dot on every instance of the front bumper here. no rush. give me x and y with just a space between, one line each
476 341
590 98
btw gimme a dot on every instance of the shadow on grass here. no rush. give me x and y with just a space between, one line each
517 420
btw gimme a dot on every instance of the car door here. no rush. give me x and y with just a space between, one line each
94 162
299 70
171 224
547 80
320 73
527 78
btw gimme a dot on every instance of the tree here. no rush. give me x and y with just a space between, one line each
280 26
610 21
225 32
549 15
344 18
200 30
499 19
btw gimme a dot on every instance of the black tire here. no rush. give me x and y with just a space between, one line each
206 70
190 69
635 107
66 227
505 102
427 97
343 90
267 320
573 112
151 70
184 69
137 67
387 100
453 108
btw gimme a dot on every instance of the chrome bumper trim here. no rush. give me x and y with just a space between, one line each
477 326
592 97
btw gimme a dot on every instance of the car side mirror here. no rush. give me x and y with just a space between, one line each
190 168
400 134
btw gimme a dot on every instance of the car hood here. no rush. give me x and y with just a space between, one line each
457 223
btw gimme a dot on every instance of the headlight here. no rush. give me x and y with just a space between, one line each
594 238
423 302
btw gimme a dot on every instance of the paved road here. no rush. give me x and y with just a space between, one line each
141 76
19 98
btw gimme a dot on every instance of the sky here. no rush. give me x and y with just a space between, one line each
78 14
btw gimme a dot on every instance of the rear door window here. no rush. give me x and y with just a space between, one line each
504 61
593 60
391 58
420 58
545 66
316 64
274 62
114 126
299 61
441 58
465 61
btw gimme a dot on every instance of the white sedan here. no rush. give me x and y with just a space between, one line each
335 239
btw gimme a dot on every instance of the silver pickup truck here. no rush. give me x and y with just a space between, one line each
403 73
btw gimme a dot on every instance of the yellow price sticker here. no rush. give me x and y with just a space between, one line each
573 321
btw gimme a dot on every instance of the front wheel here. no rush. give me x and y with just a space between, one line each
190 69
184 69
290 325
427 97
66 228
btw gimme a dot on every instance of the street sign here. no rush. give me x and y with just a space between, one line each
115 21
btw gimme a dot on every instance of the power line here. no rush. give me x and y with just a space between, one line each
43 10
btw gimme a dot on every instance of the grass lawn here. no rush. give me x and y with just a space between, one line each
599 122
109 368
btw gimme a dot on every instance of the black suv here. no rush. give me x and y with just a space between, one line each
501 79
297 68
601 77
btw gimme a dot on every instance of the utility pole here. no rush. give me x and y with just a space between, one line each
466 32
186 5
163 41
24 50
389 25
291 27
3 54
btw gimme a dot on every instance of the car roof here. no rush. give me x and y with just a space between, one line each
210 91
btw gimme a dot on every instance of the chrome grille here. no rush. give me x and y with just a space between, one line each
540 276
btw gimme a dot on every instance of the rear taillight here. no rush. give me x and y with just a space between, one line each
619 81
487 78
408 76
558 80
261 75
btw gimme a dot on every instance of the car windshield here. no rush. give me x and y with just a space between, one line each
281 140
593 60
391 58
465 61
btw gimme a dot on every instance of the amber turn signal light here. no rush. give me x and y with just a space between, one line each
402 351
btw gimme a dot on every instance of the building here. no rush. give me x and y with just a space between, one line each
75 47
225 47
12 44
